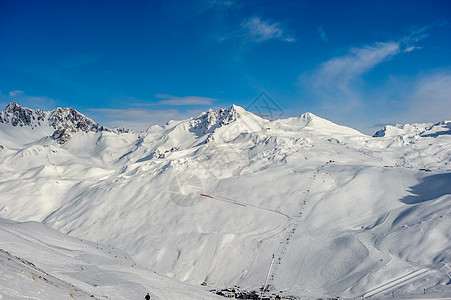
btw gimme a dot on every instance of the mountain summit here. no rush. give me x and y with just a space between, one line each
63 121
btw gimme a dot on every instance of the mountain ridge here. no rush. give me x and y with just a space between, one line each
64 121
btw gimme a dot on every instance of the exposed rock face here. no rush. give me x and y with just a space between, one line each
65 121
209 121
20 116
69 118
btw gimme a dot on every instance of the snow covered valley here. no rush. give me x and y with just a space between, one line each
205 203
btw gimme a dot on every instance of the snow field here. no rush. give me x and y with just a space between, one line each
344 214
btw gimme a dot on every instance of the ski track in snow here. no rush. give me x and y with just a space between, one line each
396 282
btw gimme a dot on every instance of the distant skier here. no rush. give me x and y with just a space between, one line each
147 297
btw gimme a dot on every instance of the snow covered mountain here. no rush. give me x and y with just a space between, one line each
424 129
211 199
63 122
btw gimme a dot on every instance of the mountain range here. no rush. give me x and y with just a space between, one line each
205 203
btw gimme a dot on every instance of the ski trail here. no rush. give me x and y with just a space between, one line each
33 240
244 204
224 199
282 249
396 282
248 205
290 223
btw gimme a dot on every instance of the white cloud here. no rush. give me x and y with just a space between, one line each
340 76
322 34
417 34
223 3
15 93
336 82
187 100
341 94
259 30
341 70
411 48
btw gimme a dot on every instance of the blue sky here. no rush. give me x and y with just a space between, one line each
137 63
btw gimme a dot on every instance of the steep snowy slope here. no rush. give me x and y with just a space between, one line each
37 262
211 199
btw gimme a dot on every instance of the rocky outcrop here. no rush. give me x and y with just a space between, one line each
64 121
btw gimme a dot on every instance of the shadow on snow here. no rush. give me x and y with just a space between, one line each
430 188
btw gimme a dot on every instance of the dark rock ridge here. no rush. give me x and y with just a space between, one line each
64 121
209 121
22 116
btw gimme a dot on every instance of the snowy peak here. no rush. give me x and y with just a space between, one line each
320 124
16 115
64 121
421 129
397 129
67 120
208 121
440 128
72 119
225 125
313 123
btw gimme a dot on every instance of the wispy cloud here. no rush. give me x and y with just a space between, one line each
341 93
223 3
322 33
343 69
258 30
417 34
15 93
339 76
336 80
187 100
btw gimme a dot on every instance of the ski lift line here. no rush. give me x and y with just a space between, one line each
290 223
282 248
260 243
267 277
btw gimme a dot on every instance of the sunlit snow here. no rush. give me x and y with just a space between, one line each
211 199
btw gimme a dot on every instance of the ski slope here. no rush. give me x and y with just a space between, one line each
211 199
42 263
